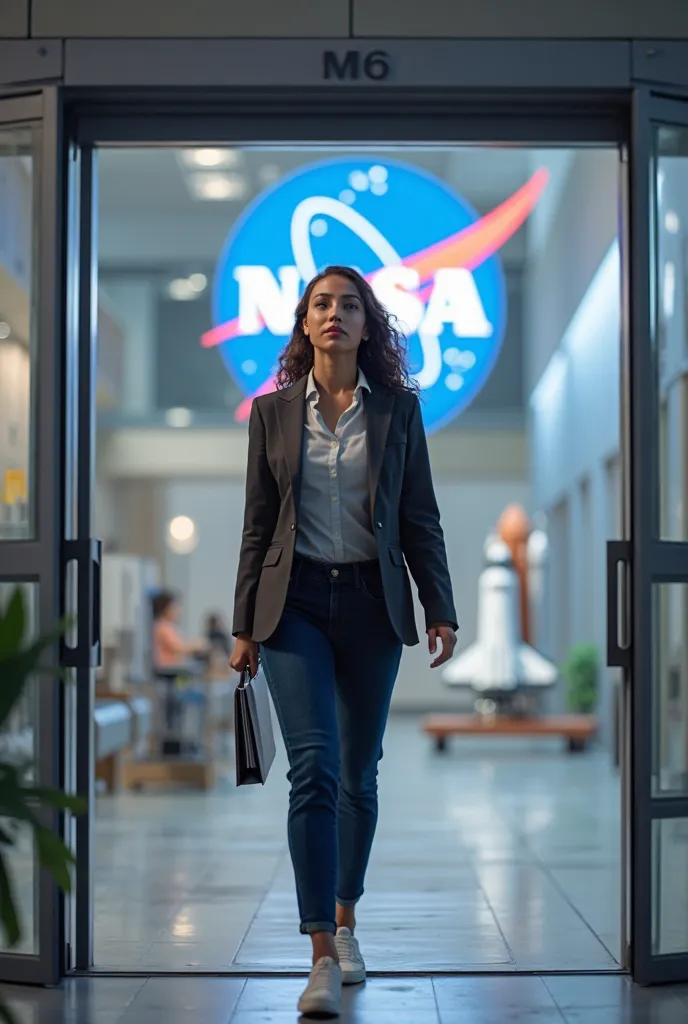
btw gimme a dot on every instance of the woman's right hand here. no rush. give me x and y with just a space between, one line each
245 654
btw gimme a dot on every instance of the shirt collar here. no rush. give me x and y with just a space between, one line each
312 390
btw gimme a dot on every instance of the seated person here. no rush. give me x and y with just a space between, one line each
170 650
217 636
173 665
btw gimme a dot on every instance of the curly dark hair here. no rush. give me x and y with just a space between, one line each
382 356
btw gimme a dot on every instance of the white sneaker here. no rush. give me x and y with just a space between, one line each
350 959
322 996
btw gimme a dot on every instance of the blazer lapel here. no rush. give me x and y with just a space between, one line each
291 413
379 404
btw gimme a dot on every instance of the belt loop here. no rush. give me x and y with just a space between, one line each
297 566
357 576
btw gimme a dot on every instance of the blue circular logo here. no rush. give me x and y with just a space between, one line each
425 251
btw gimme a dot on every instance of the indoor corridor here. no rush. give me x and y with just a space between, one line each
494 857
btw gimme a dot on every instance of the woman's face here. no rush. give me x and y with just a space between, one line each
173 611
335 321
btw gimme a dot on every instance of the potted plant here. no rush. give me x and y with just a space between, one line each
581 672
21 801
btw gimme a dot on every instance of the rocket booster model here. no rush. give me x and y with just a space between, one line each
499 662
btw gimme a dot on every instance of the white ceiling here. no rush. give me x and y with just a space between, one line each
148 216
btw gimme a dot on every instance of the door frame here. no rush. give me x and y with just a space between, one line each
238 118
650 559
39 559
194 115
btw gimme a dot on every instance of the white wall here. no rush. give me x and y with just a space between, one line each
573 345
575 422
573 232
575 413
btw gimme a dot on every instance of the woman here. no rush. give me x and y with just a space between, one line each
170 649
339 497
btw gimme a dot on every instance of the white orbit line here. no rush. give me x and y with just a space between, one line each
302 250
316 206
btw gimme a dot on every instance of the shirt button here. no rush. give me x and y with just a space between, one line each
334 444
335 498
334 572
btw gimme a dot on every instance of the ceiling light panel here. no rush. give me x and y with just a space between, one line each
211 159
218 187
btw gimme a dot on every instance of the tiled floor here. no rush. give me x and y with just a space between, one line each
469 1000
492 856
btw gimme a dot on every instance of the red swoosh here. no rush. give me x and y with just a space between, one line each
468 248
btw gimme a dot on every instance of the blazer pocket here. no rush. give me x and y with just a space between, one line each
397 556
272 556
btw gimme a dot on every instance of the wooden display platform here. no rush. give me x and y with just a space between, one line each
137 774
577 730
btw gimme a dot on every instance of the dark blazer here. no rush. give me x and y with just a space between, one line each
403 509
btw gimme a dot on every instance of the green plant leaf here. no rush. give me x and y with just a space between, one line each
8 909
53 853
55 856
15 674
12 624
6 1015
55 798
6 837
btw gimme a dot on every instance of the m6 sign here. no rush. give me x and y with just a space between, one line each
354 65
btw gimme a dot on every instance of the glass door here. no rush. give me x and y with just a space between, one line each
31 481
658 583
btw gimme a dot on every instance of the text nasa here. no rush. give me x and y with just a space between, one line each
268 302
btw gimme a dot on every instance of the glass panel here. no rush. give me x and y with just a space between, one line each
670 689
671 334
17 341
18 746
669 892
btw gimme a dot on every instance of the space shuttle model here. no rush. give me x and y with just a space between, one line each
501 663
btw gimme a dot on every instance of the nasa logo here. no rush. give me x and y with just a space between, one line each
426 253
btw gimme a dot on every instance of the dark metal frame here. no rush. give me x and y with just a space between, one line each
290 116
38 560
653 560
83 547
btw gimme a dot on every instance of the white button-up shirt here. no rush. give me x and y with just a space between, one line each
334 512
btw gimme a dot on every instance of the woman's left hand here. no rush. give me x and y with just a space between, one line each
448 637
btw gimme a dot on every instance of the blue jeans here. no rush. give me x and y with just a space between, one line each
331 666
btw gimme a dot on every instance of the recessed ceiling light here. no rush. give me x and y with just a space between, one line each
182 536
4 329
179 417
198 282
672 222
211 158
181 290
269 173
218 186
669 289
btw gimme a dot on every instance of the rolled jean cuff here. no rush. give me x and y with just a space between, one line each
309 927
347 903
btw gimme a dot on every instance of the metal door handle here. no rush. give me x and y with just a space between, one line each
87 554
618 640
